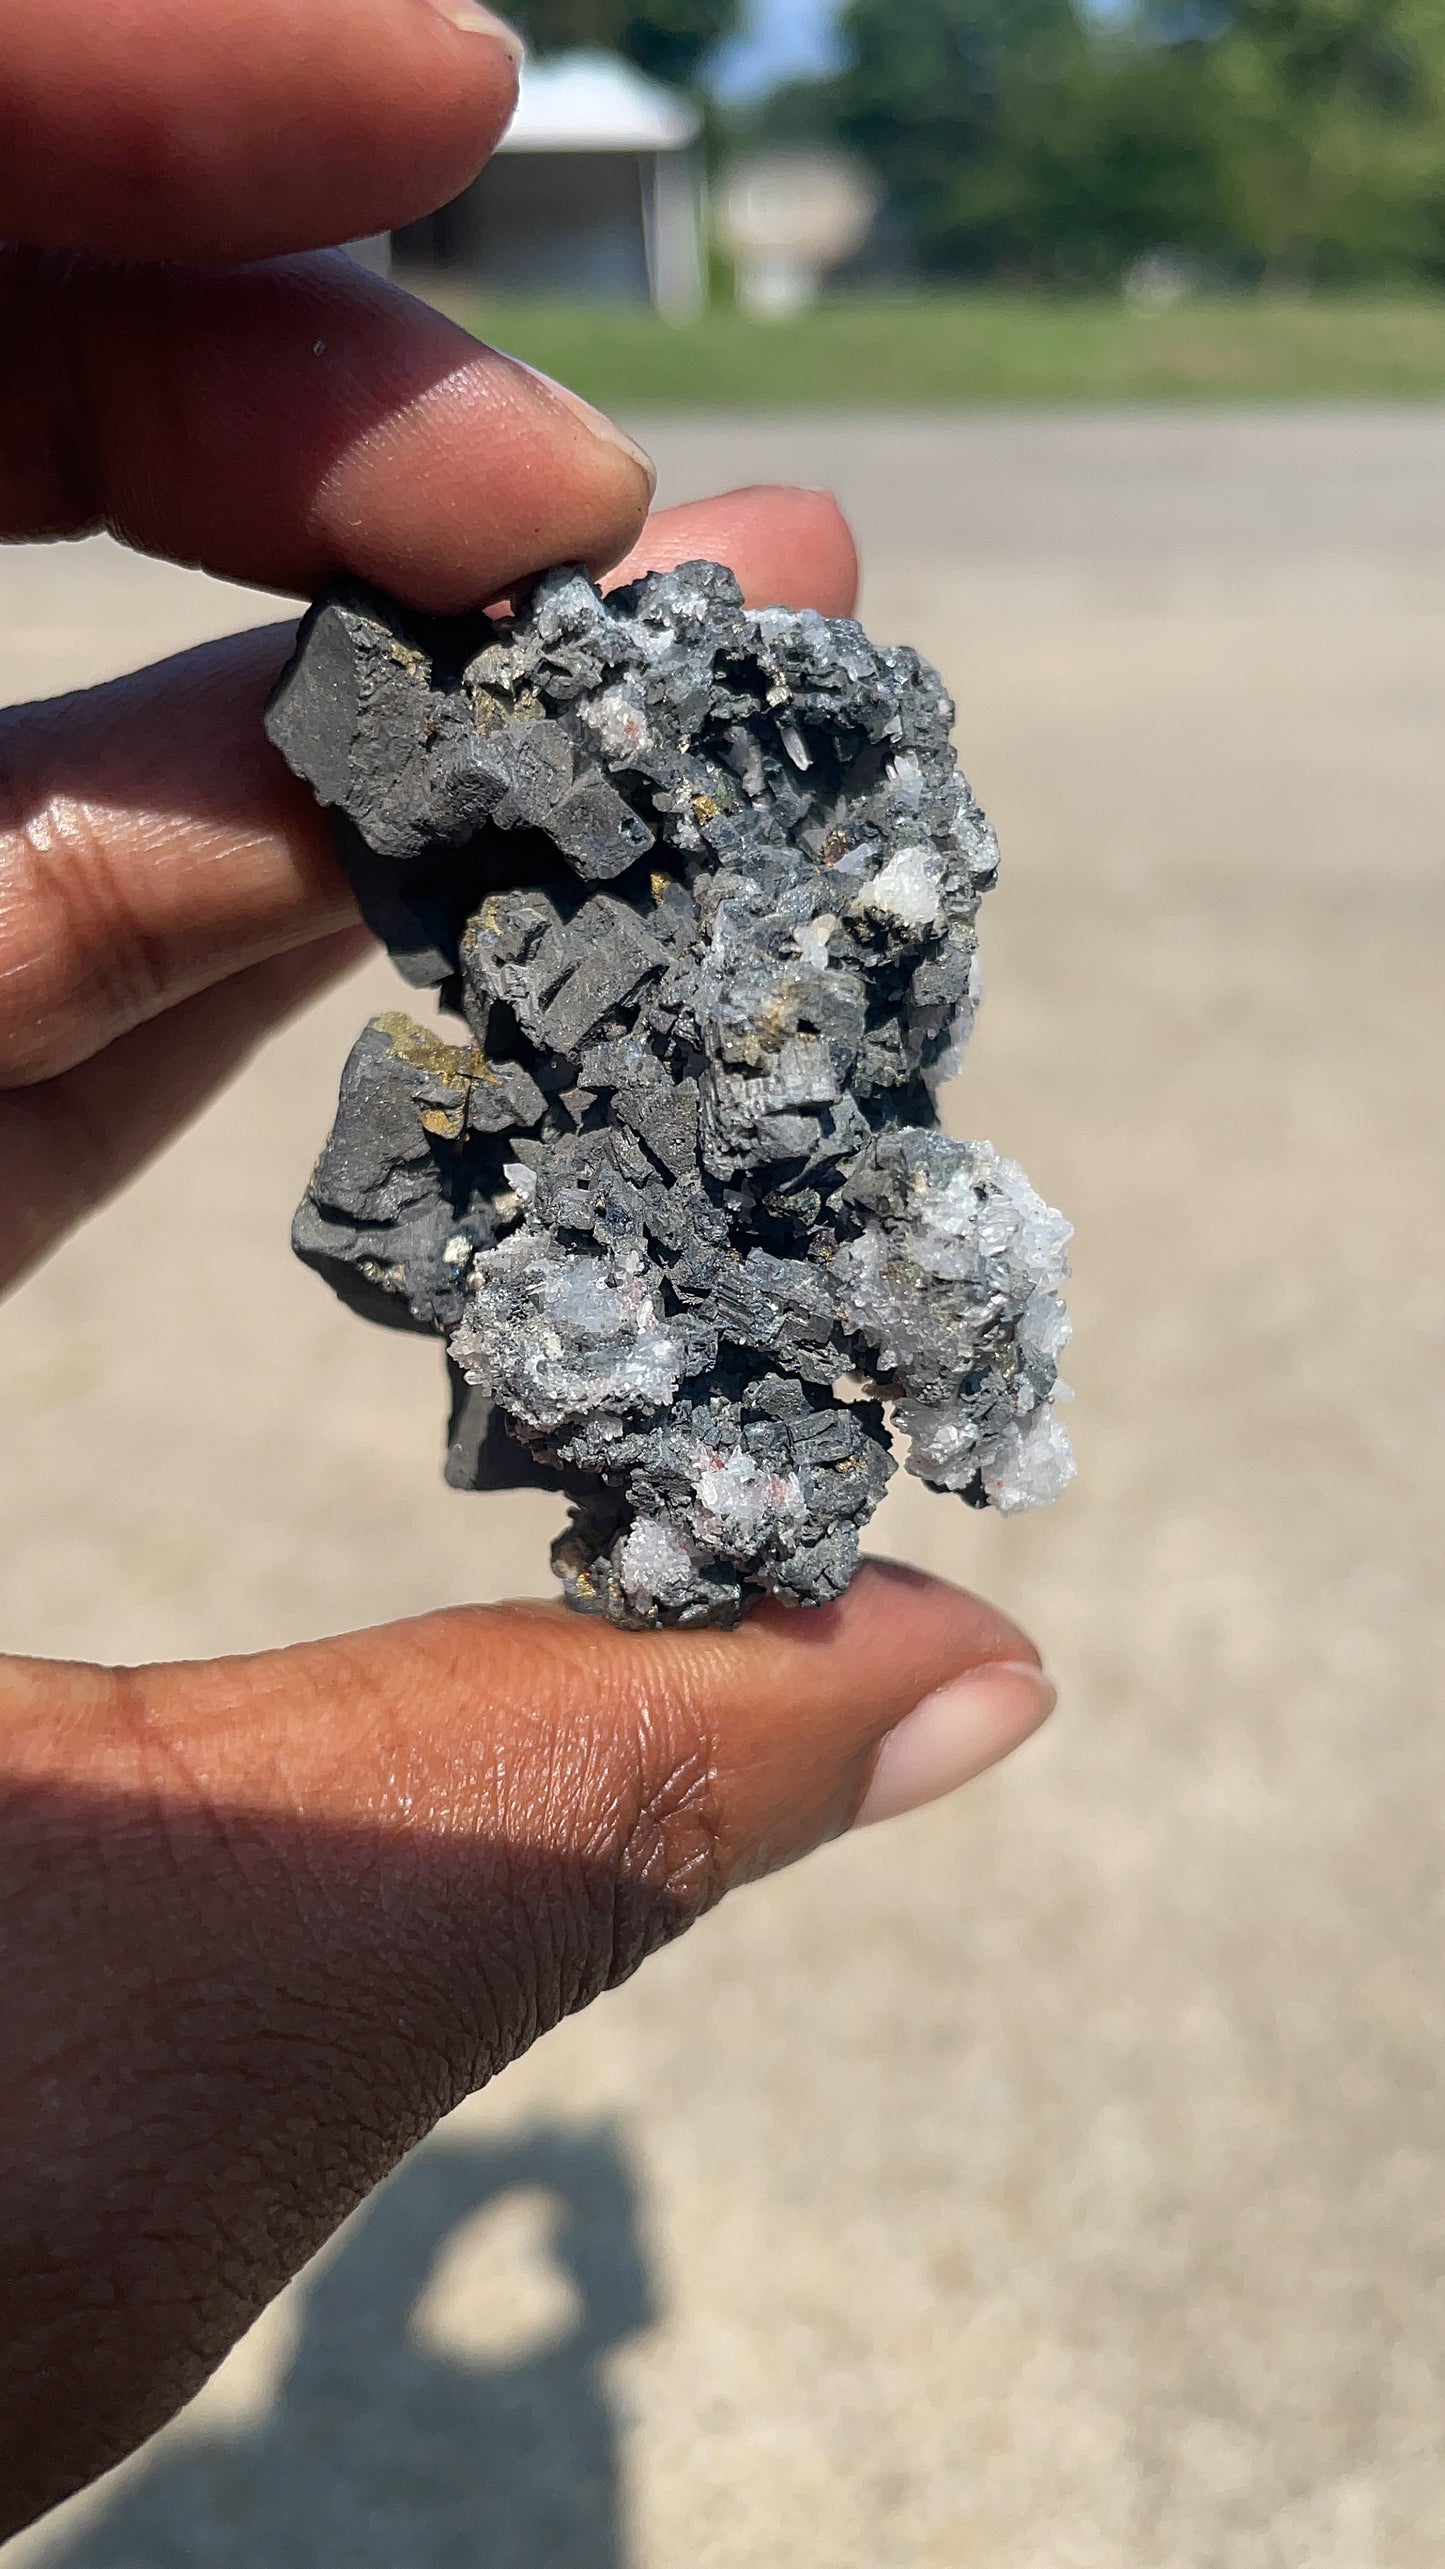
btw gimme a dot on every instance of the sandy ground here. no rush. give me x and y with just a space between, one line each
1052 2183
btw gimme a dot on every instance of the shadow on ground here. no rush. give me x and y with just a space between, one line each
400 2431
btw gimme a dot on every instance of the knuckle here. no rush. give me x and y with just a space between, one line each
76 967
636 1812
668 1868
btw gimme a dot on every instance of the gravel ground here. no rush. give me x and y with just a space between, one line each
1050 2183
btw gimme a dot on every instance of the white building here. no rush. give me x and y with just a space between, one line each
595 195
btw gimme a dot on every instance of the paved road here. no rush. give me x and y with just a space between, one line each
1052 2184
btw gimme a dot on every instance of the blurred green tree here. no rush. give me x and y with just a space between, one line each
671 39
1331 118
1293 140
1116 154
924 96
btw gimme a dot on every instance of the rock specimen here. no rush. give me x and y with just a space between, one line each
703 884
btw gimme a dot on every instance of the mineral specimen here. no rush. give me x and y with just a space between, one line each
703 885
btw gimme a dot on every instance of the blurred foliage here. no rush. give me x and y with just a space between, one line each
1091 172
953 351
1296 142
668 38
1330 117
925 97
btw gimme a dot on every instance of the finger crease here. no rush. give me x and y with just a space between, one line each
77 966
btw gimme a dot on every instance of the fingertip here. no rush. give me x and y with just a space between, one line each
803 1701
598 425
484 476
888 1599
955 1735
474 18
299 419
788 547
243 132
826 551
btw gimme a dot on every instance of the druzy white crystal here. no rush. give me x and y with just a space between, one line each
655 1566
1031 1467
740 1504
618 724
909 888
554 1335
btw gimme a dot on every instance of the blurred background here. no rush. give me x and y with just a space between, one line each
1052 2183
965 200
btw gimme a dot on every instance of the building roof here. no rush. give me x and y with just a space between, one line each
594 102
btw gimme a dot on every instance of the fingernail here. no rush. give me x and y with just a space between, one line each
955 1735
475 20
595 420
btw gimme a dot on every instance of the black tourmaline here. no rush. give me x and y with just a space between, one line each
703 884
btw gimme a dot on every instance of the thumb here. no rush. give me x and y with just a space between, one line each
289 1910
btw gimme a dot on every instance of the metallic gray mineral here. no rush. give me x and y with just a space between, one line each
703 885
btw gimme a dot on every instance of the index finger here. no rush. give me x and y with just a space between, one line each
152 843
237 129
285 422
158 848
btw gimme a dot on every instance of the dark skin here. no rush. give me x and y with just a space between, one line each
265 1920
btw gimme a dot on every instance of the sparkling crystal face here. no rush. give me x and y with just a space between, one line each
703 884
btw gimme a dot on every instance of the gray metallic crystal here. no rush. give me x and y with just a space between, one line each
702 884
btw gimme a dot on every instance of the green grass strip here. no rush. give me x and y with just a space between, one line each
957 351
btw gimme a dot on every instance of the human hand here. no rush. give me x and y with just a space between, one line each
263 1921
166 890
